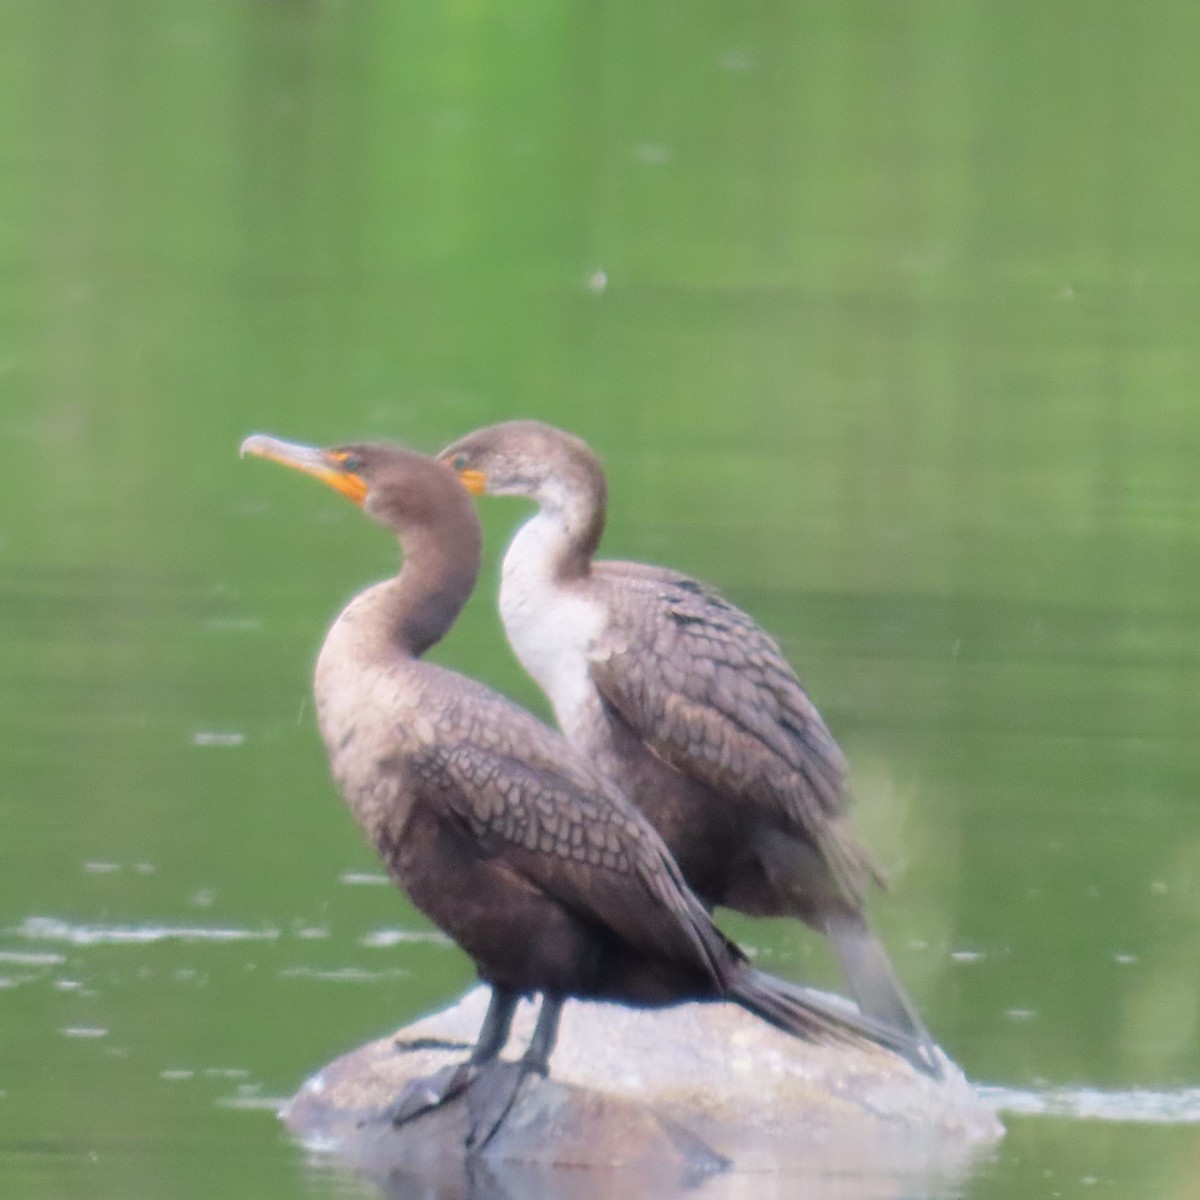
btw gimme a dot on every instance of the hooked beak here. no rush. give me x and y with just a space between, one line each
324 465
474 481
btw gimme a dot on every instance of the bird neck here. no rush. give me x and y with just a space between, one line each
566 531
404 616
416 609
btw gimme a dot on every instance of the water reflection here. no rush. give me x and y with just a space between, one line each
944 1173
456 1178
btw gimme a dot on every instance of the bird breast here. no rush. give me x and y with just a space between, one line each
551 626
371 710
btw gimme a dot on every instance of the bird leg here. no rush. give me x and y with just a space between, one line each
493 1093
432 1091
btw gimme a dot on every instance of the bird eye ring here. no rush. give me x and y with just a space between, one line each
460 461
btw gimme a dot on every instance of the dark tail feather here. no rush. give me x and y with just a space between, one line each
875 987
809 1015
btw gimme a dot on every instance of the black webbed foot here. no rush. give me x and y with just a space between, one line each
493 1093
491 1096
422 1095
425 1094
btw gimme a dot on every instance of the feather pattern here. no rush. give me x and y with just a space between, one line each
524 796
710 693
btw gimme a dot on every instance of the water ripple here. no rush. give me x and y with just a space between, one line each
1134 1106
31 958
51 929
344 974
396 937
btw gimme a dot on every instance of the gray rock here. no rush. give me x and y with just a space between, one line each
674 1095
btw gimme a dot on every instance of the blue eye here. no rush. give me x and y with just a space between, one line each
460 461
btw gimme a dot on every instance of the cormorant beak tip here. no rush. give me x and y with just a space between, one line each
308 459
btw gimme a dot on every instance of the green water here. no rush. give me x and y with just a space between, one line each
883 316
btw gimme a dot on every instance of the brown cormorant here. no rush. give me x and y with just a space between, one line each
689 706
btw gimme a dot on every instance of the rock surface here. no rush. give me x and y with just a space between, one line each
675 1094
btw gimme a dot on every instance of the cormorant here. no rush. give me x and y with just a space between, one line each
689 706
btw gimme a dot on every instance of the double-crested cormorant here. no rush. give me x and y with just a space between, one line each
496 828
689 706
